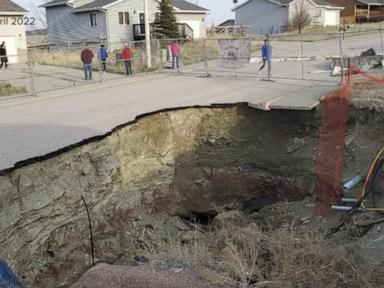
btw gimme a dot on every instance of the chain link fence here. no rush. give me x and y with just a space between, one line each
311 57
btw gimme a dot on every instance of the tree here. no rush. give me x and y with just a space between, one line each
166 25
301 17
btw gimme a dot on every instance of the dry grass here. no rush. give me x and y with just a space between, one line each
319 33
6 89
71 59
233 256
192 53
352 28
368 95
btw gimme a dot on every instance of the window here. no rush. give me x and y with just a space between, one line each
121 18
93 19
124 18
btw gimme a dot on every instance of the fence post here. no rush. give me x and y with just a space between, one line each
341 58
30 73
302 57
382 47
236 61
206 58
100 70
159 60
349 71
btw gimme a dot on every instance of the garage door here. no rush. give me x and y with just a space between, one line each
10 43
330 18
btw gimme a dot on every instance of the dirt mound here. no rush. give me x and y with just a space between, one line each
104 275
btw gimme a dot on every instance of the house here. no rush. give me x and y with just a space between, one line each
12 29
115 21
360 10
273 16
229 22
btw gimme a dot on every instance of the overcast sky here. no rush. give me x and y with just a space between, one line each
220 9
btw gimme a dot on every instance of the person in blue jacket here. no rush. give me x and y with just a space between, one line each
7 278
103 55
266 54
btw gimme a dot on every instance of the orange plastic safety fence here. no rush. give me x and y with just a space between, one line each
329 165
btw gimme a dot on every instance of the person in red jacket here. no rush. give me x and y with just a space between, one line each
127 56
175 50
86 58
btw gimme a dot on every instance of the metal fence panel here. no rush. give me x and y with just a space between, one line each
15 79
309 56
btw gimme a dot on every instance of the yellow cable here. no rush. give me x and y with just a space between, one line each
371 170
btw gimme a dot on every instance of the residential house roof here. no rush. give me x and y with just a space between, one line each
54 3
229 22
94 5
99 4
321 3
9 6
372 2
186 6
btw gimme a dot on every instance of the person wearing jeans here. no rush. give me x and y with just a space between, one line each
127 56
175 50
266 51
103 55
86 58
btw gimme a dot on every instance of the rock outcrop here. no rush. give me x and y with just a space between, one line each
196 160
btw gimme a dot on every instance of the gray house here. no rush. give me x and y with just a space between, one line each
273 16
115 21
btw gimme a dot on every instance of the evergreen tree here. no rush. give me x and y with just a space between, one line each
166 25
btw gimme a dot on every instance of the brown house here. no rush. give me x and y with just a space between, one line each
357 11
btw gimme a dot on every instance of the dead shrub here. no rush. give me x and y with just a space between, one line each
235 256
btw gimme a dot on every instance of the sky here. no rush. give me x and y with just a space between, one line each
220 10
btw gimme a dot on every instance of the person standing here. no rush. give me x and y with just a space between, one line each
103 55
3 56
87 58
175 50
266 54
127 56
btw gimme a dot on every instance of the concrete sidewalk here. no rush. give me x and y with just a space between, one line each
32 127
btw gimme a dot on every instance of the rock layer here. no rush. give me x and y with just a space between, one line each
188 161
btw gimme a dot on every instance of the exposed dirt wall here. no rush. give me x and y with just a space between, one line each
196 160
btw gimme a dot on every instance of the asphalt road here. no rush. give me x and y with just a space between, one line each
32 127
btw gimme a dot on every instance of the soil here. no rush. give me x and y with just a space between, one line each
148 179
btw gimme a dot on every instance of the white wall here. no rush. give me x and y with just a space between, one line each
196 21
14 36
123 33
320 16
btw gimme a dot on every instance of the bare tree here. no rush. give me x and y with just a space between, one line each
300 17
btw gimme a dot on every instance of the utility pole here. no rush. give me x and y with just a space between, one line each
147 35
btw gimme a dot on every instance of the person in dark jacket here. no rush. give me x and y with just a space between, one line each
3 56
103 55
87 58
8 277
266 54
127 56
